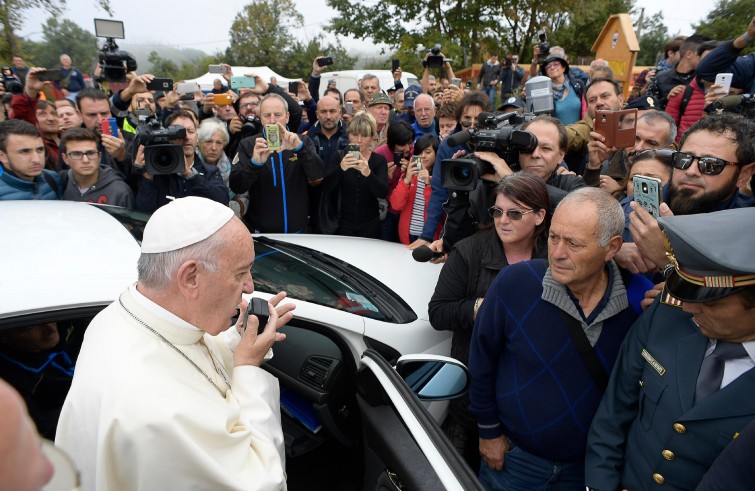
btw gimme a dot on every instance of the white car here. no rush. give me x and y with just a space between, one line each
349 418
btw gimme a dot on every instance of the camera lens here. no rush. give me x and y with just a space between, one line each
462 174
163 160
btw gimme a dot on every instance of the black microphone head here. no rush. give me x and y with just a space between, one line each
458 138
728 102
422 254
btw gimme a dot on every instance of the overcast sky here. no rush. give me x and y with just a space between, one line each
205 24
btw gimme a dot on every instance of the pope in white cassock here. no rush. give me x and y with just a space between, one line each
165 395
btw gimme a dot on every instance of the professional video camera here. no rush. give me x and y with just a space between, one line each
114 62
160 156
11 83
435 60
496 132
545 47
742 104
507 61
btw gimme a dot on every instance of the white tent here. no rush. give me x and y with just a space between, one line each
205 81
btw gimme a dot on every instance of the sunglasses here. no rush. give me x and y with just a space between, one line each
467 124
711 166
663 154
515 215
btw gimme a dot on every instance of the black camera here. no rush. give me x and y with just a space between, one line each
11 83
496 132
435 60
114 62
507 61
252 126
545 47
160 156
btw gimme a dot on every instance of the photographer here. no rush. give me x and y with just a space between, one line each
511 77
446 66
196 179
488 77
246 124
130 101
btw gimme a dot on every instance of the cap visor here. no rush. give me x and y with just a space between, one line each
688 292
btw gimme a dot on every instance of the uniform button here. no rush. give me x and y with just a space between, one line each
641 383
680 428
668 455
659 478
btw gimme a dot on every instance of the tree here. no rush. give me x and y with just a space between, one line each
12 14
162 67
582 26
262 31
653 39
262 35
62 37
727 20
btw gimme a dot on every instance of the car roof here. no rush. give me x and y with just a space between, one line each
61 254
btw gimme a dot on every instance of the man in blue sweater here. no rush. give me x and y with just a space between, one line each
22 154
545 340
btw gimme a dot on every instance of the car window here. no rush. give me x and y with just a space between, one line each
275 270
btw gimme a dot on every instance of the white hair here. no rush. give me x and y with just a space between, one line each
610 213
432 101
209 127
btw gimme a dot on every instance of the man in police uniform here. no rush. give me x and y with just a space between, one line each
683 386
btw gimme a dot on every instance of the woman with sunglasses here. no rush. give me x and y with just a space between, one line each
521 218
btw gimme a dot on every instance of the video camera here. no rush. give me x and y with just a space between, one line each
252 126
115 63
160 156
545 47
742 103
435 60
11 83
496 132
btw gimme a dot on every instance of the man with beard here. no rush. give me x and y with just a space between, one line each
716 158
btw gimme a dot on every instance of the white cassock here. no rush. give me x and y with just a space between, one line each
140 416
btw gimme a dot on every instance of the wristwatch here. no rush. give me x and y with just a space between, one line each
667 270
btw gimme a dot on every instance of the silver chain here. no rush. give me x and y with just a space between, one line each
175 348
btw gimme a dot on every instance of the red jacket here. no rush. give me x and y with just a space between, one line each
402 200
692 113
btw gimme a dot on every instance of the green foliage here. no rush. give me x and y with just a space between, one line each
262 34
653 38
13 13
163 67
61 37
584 23
727 20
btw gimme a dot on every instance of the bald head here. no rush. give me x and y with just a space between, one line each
328 113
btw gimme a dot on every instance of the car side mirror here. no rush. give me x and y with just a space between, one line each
434 377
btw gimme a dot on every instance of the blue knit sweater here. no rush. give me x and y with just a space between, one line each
14 188
528 380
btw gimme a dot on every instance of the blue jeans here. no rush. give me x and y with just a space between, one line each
490 90
523 471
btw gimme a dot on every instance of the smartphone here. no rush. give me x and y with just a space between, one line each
53 75
348 108
258 307
417 162
397 156
618 127
647 192
215 68
273 136
293 86
456 82
353 150
724 79
109 126
222 99
164 84
242 82
395 64
325 61
187 88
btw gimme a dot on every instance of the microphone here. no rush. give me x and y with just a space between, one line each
422 254
491 119
457 139
728 102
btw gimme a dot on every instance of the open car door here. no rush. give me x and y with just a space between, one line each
404 447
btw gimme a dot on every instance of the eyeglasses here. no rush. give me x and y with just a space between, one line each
515 215
711 166
663 154
90 154
552 64
249 104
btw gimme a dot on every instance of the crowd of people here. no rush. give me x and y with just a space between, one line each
553 274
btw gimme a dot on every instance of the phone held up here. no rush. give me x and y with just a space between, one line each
417 162
293 86
109 126
273 136
325 61
353 150
647 192
258 307
618 127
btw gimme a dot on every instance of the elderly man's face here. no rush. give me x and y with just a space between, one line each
65 60
574 256
424 110
649 135
370 87
381 113
225 112
220 290
273 111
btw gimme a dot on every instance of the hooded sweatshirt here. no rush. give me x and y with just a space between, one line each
110 189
